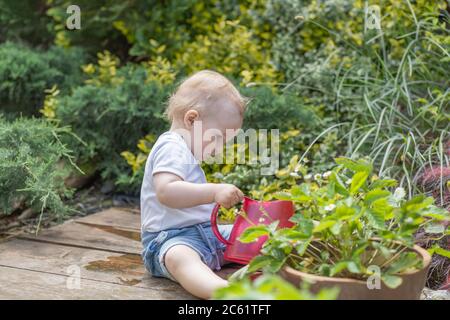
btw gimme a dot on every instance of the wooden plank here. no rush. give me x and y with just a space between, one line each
26 284
104 247
91 236
98 265
115 217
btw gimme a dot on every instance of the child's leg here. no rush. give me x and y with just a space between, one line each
186 266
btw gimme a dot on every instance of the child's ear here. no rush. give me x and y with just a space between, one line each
190 117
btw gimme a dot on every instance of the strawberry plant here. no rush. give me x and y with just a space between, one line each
347 221
271 287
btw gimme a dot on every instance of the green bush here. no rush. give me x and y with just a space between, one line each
30 169
388 89
271 110
25 20
25 73
110 119
144 28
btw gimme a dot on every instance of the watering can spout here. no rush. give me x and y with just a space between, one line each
256 212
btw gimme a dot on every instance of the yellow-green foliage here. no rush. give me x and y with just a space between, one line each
104 73
50 102
397 16
161 70
137 161
229 48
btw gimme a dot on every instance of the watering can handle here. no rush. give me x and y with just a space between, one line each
214 226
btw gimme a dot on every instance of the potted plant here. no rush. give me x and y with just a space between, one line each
352 232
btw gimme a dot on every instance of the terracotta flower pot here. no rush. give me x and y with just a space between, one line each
351 289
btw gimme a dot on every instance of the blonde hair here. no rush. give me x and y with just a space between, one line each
203 88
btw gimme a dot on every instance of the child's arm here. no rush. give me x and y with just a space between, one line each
174 192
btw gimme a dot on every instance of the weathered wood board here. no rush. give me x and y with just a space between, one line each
97 265
101 250
91 236
26 284
115 217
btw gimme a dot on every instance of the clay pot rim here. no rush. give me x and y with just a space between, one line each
426 259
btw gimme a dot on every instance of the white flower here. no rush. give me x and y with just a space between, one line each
308 177
399 194
294 174
317 176
326 175
330 207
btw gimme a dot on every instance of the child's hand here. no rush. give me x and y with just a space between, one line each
227 195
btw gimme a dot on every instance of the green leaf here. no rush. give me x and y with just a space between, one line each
325 269
300 193
252 234
405 261
435 228
358 181
272 227
353 267
303 224
376 194
275 265
339 185
355 166
440 251
383 183
301 248
344 212
283 196
436 213
239 274
324 225
258 263
391 281
375 218
417 204
338 267
336 228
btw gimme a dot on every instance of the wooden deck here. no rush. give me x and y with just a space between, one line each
95 257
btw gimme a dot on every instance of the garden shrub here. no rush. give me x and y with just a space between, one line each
271 110
388 92
110 118
230 49
318 44
25 20
25 73
191 35
148 28
30 170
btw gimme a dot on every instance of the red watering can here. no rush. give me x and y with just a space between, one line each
257 212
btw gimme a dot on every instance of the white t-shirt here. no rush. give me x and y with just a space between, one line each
171 154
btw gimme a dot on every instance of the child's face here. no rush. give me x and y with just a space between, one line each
212 131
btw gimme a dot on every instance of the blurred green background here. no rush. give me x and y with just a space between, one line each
91 101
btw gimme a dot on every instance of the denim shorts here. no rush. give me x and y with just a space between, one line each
199 237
